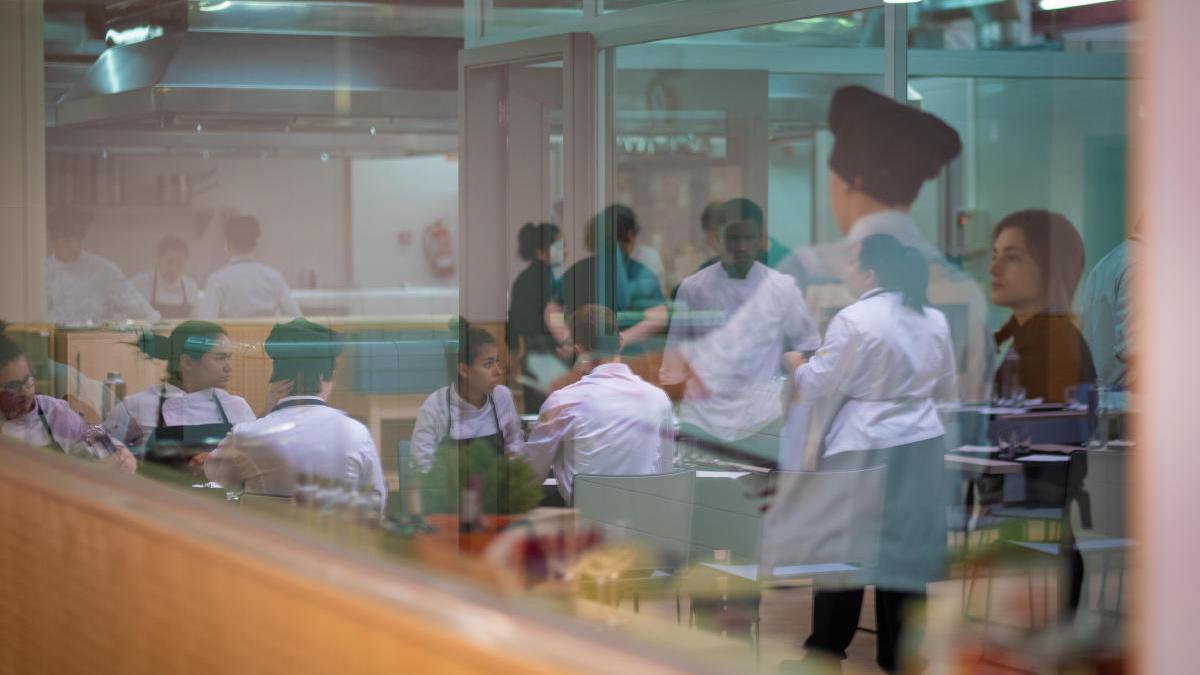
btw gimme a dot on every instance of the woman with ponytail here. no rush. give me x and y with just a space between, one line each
190 411
886 362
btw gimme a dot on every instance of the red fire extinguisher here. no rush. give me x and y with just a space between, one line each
439 249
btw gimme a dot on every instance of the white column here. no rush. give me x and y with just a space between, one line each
1167 500
22 163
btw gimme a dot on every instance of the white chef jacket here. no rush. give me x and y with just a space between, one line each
611 422
732 333
890 366
91 289
464 421
246 288
178 292
66 424
133 420
267 456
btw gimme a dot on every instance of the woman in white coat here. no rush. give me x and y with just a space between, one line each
886 361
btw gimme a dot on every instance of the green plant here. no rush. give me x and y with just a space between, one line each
508 485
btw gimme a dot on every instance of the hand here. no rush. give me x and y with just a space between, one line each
792 361
276 391
126 461
565 351
196 463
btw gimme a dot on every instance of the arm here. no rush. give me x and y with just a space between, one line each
510 423
123 427
556 323
545 442
827 371
674 372
946 389
363 467
223 465
428 432
799 329
653 321
126 300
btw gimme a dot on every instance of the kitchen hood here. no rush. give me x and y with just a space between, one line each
196 75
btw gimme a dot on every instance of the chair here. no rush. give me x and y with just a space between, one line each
651 510
821 525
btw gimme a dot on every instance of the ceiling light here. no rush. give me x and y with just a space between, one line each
214 6
1050 5
901 2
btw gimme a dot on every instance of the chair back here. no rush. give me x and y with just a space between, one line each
822 518
1103 496
652 510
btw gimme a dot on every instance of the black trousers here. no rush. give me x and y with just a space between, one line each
836 615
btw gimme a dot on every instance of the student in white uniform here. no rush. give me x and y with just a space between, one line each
474 407
82 287
190 412
732 323
302 435
46 422
883 153
886 362
168 290
610 422
245 287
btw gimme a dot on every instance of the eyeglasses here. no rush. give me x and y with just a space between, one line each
17 386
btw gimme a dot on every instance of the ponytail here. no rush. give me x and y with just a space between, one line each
898 268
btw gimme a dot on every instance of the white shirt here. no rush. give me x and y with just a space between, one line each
465 421
91 289
136 417
890 364
182 290
611 422
732 333
66 424
246 288
1104 303
267 456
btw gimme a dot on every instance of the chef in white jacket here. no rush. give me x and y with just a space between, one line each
245 287
45 422
731 324
886 360
191 407
302 435
82 287
610 422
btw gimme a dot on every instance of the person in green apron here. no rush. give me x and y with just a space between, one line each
42 421
475 409
178 421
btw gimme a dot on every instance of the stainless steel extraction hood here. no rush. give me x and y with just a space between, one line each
198 75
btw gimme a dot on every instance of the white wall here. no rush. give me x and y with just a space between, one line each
389 196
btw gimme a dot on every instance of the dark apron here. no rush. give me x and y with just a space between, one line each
54 445
176 445
460 447
181 311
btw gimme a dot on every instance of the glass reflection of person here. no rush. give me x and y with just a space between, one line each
42 421
883 153
528 335
886 362
302 434
168 290
191 407
245 287
1037 261
1104 300
473 407
82 287
732 323
609 422
612 278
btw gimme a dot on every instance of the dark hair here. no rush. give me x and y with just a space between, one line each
617 218
1056 248
67 221
533 238
193 338
9 349
594 330
171 242
463 351
897 267
303 352
739 209
711 216
242 232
